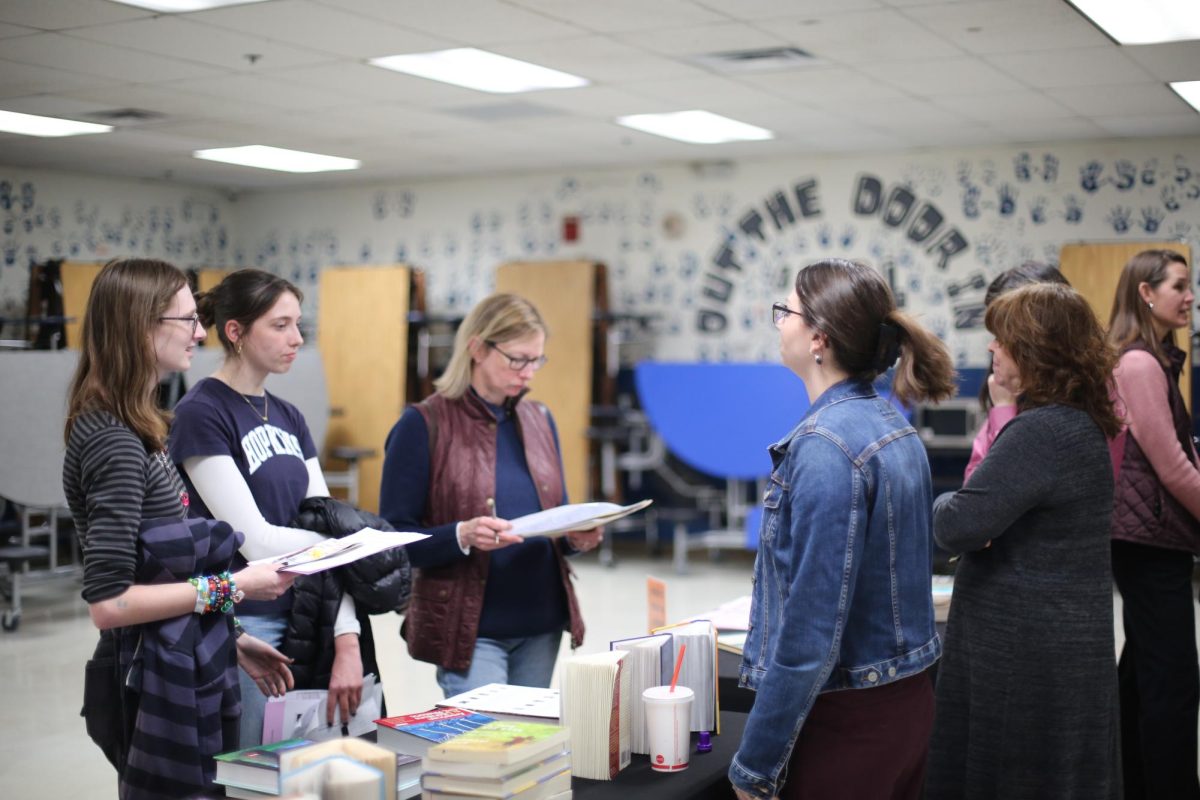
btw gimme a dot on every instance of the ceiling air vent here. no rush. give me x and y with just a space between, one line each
761 60
126 117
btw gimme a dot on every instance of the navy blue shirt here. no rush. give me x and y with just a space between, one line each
524 594
212 419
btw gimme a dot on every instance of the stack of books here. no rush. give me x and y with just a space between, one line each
502 759
348 768
596 708
414 734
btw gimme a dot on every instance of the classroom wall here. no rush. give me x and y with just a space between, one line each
708 247
46 214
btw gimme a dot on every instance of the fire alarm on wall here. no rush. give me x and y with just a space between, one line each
570 228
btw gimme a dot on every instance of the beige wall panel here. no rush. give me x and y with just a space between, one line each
563 292
363 337
77 280
1095 270
206 279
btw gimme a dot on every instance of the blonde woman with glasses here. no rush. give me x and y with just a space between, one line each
487 605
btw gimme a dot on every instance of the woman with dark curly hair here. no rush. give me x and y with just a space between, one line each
1027 688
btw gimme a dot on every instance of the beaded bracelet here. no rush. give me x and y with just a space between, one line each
216 593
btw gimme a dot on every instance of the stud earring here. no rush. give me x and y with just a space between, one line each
1150 306
818 358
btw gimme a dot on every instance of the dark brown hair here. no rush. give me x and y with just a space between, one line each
1029 272
117 370
852 305
242 296
1059 350
1131 319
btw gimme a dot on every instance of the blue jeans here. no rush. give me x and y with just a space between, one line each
528 661
271 630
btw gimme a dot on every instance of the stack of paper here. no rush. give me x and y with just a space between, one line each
561 520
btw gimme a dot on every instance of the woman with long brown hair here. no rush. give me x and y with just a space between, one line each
1026 687
842 632
1156 530
161 691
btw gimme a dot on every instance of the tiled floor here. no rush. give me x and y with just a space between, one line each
44 752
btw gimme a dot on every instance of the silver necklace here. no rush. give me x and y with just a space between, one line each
164 461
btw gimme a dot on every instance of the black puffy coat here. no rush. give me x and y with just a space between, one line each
378 584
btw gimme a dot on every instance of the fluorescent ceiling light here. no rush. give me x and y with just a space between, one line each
479 69
1189 91
1146 21
180 6
277 158
33 125
698 127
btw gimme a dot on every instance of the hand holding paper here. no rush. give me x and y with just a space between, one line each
338 552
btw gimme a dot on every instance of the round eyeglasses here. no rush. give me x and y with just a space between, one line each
194 318
518 363
779 313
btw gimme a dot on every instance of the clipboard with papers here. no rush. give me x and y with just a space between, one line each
561 520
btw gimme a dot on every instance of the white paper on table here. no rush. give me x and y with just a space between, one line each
574 517
300 714
339 552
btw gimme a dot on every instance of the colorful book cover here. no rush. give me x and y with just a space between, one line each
265 756
438 724
503 742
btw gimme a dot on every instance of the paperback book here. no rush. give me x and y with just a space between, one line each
597 711
414 734
650 662
255 768
502 742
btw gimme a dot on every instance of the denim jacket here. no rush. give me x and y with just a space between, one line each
842 582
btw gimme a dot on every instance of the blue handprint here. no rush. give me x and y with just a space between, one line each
1126 175
1119 218
1151 218
1008 200
1074 211
1089 176
1023 167
1037 211
1049 168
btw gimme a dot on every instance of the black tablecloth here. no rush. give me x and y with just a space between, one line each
704 779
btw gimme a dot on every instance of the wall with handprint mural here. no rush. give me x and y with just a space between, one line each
707 248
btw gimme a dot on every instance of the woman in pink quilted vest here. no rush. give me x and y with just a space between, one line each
1156 530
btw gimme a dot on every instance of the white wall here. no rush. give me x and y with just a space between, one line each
679 242
47 215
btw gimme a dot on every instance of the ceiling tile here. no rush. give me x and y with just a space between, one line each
1050 130
17 79
598 101
181 38
94 58
474 22
319 27
1132 100
612 16
1006 26
52 15
1001 106
267 91
9 31
941 76
1150 125
703 39
863 37
1174 61
1089 66
601 59
770 9
823 86
678 95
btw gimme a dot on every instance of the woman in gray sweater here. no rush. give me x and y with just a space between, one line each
1027 688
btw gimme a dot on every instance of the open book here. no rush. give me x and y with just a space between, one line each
561 520
338 552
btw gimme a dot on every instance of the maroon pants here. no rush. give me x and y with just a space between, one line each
864 744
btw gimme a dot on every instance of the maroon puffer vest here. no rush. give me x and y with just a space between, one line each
1143 511
442 621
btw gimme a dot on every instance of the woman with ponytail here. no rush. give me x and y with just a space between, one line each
1026 694
842 629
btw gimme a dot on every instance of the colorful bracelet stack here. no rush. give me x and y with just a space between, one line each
215 593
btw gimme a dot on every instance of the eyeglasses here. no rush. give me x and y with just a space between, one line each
779 313
194 318
518 363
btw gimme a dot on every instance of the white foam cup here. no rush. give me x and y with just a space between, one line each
669 727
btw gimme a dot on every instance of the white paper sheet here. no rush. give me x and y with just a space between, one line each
338 552
300 714
561 520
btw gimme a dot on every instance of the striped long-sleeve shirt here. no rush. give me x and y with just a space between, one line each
112 484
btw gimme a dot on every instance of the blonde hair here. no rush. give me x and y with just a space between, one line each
117 369
497 318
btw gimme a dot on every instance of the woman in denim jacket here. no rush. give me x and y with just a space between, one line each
842 594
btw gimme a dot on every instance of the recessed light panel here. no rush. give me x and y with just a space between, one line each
1146 21
277 158
696 127
479 69
33 125
1189 91
180 6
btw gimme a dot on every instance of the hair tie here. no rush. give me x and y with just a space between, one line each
888 349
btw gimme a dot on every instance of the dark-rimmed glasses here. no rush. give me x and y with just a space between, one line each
193 318
518 363
779 312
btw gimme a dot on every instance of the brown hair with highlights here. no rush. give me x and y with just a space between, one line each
1131 319
118 370
1059 349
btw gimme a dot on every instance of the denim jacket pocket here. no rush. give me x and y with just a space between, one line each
773 503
